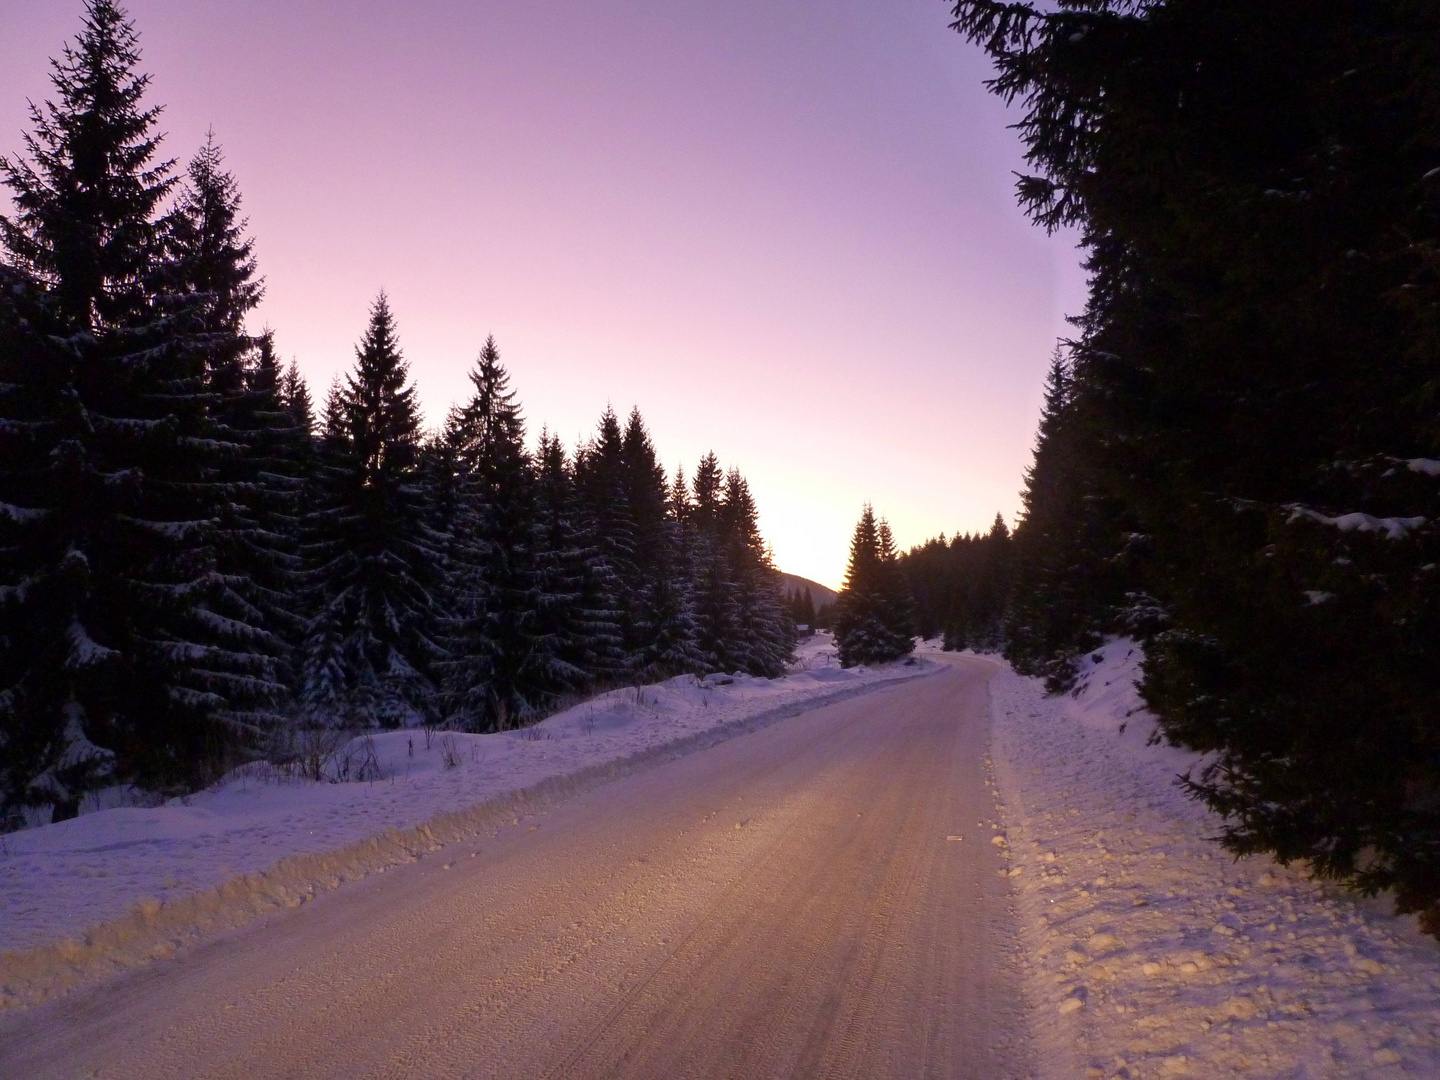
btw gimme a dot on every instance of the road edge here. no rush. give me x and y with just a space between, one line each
153 931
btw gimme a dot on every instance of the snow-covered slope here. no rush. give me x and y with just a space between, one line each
1152 953
119 885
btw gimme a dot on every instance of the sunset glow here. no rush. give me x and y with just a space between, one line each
786 231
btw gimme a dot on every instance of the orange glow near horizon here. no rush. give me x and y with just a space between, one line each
785 231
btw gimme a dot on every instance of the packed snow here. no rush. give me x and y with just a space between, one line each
1152 952
386 798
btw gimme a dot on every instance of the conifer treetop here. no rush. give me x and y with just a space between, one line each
380 409
87 203
864 552
208 234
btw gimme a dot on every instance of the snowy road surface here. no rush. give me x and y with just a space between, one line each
792 902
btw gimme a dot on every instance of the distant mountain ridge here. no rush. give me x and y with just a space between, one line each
822 596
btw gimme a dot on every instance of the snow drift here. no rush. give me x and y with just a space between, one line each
124 886
1153 953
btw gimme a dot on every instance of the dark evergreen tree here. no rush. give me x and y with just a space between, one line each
764 641
662 632
802 609
713 593
296 396
1077 558
505 667
899 605
129 668
860 630
872 620
211 272
1253 391
46 752
373 566
604 514
575 584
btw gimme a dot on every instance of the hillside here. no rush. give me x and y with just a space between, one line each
822 596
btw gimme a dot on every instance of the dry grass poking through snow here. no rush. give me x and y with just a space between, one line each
1152 952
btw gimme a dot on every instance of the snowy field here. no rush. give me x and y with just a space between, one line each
119 886
1153 953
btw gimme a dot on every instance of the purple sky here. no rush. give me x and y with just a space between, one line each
785 230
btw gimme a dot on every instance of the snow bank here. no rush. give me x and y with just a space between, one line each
1152 953
123 886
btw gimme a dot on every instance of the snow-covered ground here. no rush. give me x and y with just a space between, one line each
109 883
1152 952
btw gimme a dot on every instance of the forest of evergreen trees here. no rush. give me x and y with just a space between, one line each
1239 460
193 565
962 588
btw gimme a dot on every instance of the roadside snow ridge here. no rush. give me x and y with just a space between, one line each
1152 952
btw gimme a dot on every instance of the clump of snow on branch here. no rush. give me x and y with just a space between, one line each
1394 528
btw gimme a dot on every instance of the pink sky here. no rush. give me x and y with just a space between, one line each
786 231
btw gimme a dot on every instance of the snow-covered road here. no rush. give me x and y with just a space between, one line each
817 898
119 886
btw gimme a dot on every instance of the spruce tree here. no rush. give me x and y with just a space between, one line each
211 270
129 668
714 604
277 467
1253 392
296 397
1071 560
764 640
372 565
898 611
604 515
503 669
662 632
872 618
805 610
575 615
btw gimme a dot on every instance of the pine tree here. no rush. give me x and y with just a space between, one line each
805 609
714 605
277 468
1254 379
503 669
662 632
574 592
898 611
765 636
211 270
1070 565
296 396
605 517
373 566
127 669
872 617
